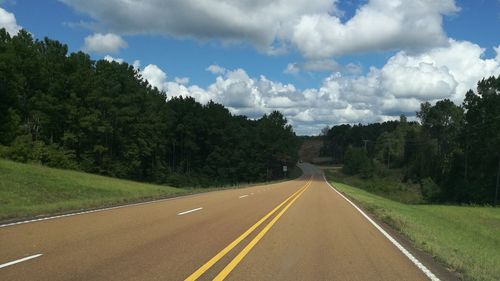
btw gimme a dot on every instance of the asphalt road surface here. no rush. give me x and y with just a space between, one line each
296 230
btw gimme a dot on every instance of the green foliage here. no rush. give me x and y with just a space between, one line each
384 182
24 149
430 190
65 110
357 162
479 164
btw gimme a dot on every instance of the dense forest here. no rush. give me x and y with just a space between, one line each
453 152
68 111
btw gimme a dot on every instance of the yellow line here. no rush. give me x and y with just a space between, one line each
233 244
223 274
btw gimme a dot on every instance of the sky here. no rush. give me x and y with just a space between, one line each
319 62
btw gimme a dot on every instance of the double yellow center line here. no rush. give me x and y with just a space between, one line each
223 274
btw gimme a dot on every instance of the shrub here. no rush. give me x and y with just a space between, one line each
24 149
430 190
356 161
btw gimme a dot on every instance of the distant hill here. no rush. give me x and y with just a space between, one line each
310 149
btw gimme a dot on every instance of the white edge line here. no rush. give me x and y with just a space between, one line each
19 260
422 267
243 196
190 211
101 209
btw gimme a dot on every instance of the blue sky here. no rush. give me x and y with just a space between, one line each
320 62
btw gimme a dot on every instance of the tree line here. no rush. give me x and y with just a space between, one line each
69 111
453 151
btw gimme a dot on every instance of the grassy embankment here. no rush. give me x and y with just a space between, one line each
28 190
464 237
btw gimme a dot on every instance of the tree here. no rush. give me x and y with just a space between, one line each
482 136
357 162
103 117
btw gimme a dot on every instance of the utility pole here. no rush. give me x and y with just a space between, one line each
498 183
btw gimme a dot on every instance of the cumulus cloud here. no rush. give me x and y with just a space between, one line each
462 60
182 80
353 68
398 87
314 27
378 25
155 76
8 21
421 79
216 69
104 43
136 64
112 59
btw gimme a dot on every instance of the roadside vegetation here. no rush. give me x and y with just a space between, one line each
466 238
386 183
29 190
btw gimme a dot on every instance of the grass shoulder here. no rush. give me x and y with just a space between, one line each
464 237
386 183
31 190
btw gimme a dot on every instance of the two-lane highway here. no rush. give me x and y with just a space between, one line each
296 230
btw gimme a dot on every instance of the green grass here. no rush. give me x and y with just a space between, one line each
28 190
389 185
465 238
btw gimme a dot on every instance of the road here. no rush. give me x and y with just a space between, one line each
296 230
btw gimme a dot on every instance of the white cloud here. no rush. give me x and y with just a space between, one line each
423 80
8 21
292 68
464 62
497 51
155 76
231 21
104 43
353 68
216 69
312 26
112 59
400 86
182 80
378 25
136 64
